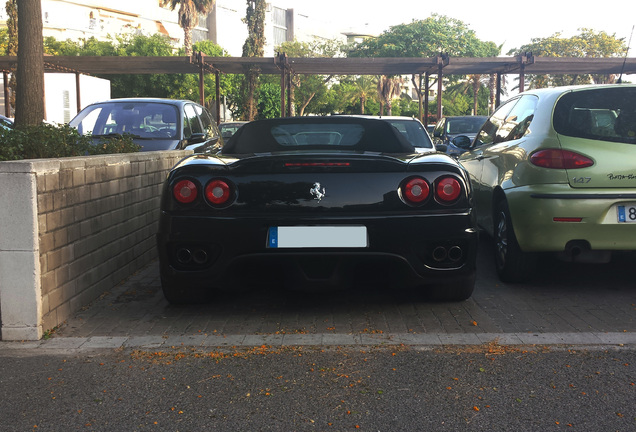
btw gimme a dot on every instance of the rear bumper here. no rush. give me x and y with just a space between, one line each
534 209
419 249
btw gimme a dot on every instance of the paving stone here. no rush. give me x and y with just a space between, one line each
224 341
98 342
259 340
302 339
459 339
144 341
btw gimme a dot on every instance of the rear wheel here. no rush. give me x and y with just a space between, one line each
513 265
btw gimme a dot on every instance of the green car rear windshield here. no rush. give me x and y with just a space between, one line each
607 114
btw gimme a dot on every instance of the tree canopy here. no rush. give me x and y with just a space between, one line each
426 38
430 37
588 43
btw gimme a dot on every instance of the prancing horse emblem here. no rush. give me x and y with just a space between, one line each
316 192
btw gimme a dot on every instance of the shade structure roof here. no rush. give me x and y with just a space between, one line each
333 66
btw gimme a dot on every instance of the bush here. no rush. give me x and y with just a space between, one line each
48 141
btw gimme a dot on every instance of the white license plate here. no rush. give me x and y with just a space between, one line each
318 237
627 213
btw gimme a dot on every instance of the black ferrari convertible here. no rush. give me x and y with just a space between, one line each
320 202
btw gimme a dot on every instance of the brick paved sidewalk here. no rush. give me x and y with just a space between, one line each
570 304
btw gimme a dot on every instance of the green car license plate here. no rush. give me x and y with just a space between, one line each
627 213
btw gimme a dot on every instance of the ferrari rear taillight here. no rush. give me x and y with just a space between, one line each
447 190
416 190
560 159
218 192
185 191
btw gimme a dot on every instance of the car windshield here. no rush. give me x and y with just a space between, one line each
318 133
149 120
229 129
465 125
414 132
607 114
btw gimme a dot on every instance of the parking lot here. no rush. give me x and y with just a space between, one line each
566 302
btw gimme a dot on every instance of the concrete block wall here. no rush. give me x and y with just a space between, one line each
70 230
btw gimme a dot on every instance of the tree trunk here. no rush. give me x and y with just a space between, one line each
251 102
475 96
304 105
29 110
187 41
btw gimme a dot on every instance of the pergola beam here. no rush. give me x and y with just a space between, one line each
285 66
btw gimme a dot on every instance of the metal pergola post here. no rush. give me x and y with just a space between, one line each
498 92
281 62
426 78
442 60
78 95
289 92
217 77
201 79
524 59
7 102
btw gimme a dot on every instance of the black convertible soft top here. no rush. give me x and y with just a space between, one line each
317 133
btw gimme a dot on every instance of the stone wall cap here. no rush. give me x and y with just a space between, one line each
55 164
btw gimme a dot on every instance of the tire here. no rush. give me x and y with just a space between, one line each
512 264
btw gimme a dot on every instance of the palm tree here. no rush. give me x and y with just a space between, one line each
476 82
388 89
189 11
363 90
492 88
473 83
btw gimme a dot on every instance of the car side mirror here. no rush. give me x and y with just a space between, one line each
462 142
196 138
441 148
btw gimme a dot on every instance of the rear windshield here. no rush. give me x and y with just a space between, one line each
464 125
318 133
295 135
413 131
607 114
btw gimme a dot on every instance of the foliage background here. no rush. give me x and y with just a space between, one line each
323 95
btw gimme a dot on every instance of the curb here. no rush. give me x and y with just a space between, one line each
65 345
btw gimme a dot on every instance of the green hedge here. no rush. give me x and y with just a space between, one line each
48 141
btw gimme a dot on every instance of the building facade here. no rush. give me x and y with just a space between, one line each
107 19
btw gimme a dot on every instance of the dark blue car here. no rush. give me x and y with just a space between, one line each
154 123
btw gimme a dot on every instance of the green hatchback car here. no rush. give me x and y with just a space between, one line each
554 170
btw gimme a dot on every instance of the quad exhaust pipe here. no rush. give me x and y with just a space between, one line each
443 254
187 256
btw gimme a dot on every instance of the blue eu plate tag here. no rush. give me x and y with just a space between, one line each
273 237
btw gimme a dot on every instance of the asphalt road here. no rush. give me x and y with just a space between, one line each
488 387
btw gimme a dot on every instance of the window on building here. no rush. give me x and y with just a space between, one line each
279 24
